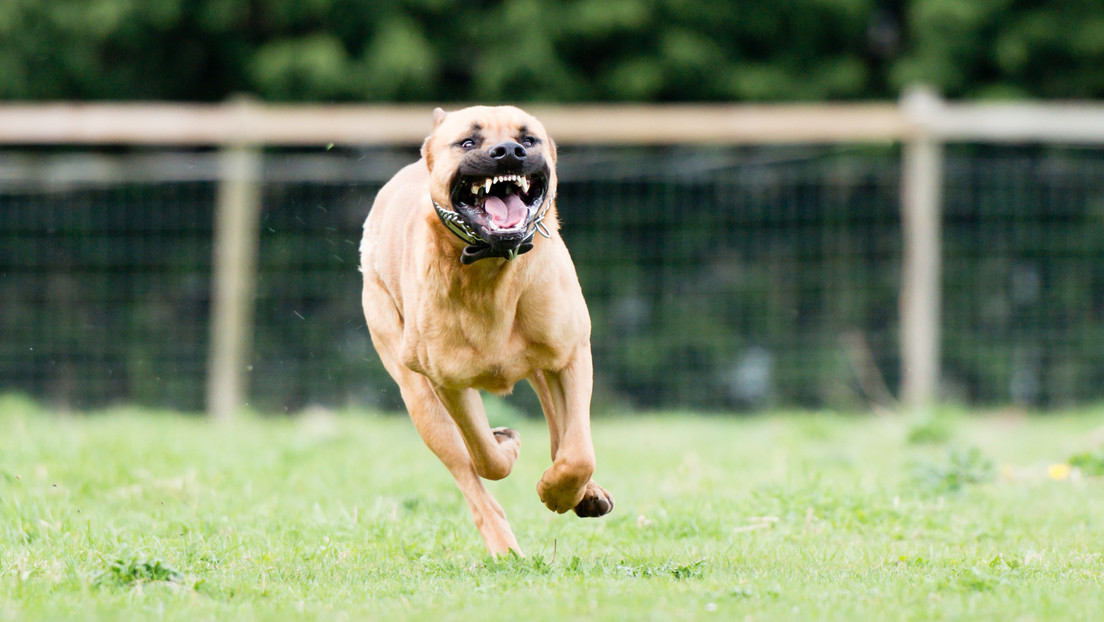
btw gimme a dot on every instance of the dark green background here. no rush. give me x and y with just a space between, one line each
548 50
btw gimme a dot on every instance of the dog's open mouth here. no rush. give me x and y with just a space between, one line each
501 205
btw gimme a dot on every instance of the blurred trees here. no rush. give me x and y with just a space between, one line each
547 50
1002 48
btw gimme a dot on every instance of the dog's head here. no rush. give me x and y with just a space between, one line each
495 167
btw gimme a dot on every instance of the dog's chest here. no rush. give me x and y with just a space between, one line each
484 348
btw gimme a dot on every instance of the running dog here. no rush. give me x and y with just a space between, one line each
467 287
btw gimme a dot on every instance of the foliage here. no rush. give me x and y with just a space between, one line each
128 515
934 428
1090 463
1005 48
962 467
134 570
546 50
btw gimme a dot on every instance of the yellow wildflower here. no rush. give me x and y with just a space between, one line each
1058 471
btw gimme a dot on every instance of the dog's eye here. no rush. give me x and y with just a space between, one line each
467 144
528 141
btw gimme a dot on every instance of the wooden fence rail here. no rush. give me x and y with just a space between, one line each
248 122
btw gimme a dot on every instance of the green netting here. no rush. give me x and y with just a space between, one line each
717 278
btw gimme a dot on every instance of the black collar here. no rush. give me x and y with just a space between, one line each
478 248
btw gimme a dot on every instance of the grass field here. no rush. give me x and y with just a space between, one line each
128 515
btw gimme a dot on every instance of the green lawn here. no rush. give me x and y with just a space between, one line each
129 515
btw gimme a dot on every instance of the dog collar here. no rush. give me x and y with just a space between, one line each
478 248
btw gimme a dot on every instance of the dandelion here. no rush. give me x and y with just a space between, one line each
1058 471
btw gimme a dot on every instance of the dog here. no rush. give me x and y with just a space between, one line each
468 286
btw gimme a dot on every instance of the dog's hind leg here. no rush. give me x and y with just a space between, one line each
565 399
493 451
442 436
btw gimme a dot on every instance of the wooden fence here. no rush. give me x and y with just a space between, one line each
921 122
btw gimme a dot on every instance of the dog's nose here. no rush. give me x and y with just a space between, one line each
508 153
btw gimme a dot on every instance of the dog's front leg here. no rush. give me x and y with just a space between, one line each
565 399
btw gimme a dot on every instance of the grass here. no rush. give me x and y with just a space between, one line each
129 515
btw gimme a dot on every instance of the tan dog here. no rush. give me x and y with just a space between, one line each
468 286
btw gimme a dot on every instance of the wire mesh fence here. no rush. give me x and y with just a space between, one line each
737 278
104 290
717 277
1024 275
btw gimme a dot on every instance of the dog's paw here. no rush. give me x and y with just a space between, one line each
597 501
505 435
509 440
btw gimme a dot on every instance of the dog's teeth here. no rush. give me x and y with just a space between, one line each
520 180
476 188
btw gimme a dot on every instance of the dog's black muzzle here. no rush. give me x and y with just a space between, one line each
499 198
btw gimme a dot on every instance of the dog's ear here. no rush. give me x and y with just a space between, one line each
438 116
427 152
552 149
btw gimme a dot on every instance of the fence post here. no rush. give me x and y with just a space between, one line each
921 191
237 224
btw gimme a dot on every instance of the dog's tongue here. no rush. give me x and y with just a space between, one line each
505 212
